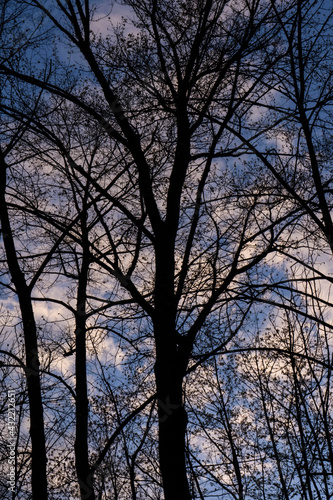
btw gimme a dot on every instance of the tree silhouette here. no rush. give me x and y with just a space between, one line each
164 210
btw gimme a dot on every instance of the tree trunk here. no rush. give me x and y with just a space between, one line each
172 430
84 473
170 368
37 433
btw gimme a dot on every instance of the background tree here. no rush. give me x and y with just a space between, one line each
15 43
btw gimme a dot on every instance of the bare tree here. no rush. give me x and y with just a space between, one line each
166 211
